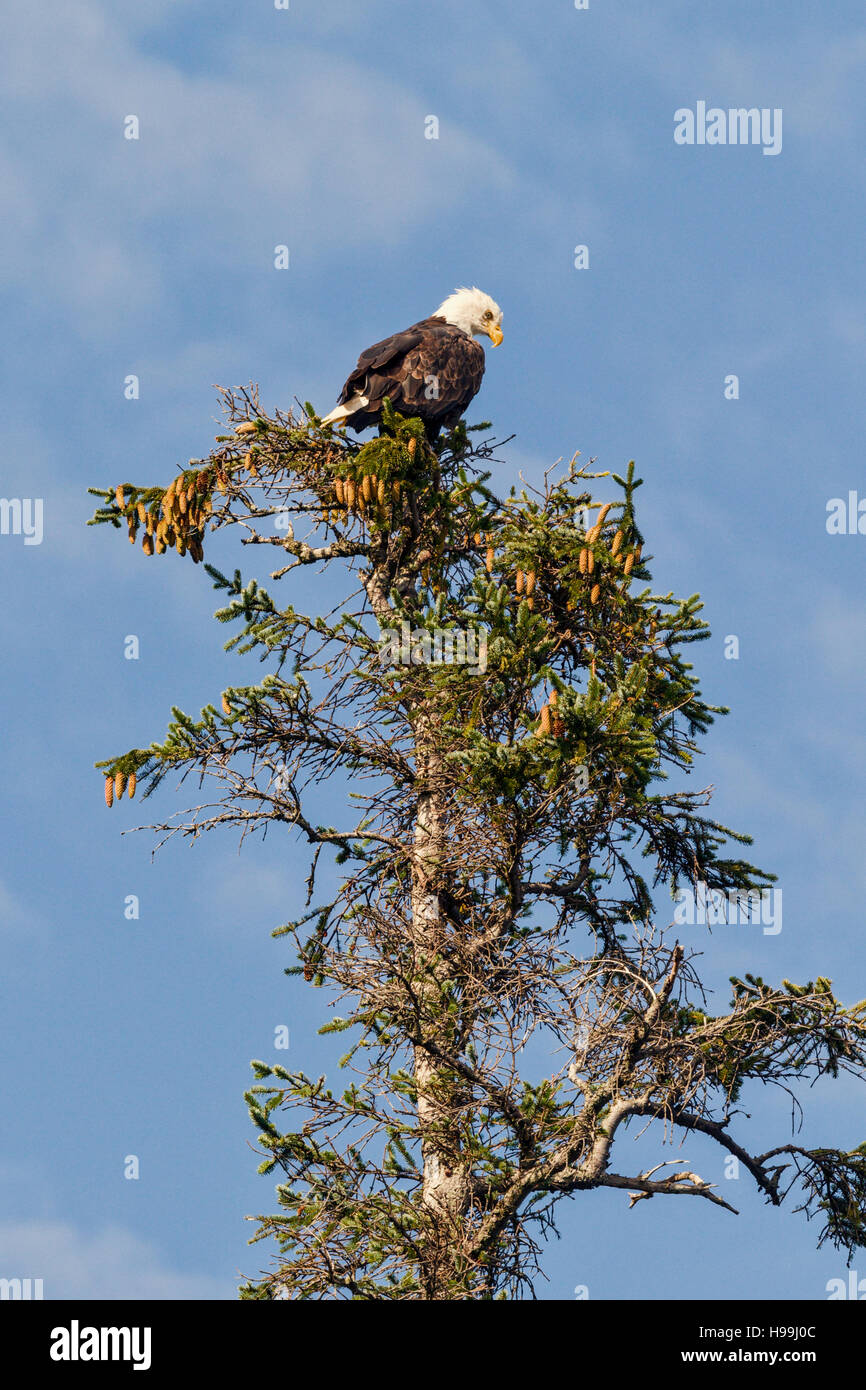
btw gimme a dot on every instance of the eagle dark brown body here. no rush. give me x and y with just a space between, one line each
431 370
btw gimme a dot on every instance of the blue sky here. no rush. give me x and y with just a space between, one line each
155 257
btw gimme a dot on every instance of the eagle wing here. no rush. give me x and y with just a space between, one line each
431 370
378 358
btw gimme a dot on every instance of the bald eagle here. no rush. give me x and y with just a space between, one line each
431 370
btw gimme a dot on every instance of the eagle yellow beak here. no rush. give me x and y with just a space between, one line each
495 334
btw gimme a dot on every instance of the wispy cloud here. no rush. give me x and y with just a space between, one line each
112 1263
15 915
811 70
262 155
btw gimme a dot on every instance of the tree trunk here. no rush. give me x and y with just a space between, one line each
445 1192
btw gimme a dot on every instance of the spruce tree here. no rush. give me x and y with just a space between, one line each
512 994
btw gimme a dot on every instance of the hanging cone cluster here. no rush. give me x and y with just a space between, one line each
483 543
524 585
367 494
176 518
597 559
591 564
550 721
116 785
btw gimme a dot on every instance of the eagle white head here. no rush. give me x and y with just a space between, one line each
474 312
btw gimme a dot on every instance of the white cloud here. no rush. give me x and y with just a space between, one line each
245 893
836 636
301 147
112 1263
16 916
814 75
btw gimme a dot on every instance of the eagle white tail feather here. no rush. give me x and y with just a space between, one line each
342 412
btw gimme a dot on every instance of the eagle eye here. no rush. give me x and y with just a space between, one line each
488 313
